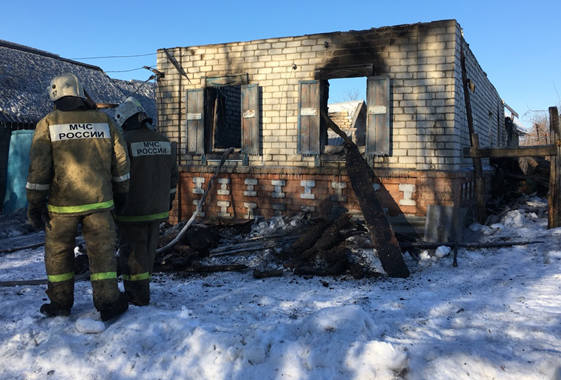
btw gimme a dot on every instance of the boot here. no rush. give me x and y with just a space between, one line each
138 292
112 310
54 310
138 301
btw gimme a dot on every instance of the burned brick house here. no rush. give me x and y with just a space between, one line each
265 98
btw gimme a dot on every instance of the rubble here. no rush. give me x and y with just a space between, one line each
273 247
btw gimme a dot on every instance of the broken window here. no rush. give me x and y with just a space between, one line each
224 109
367 123
346 108
221 117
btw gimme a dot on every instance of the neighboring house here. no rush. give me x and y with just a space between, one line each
265 99
351 118
25 74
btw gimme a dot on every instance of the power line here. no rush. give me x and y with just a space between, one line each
117 56
123 71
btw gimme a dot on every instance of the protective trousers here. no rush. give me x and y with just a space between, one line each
137 252
99 233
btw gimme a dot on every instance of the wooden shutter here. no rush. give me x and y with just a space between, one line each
309 117
250 119
195 123
378 116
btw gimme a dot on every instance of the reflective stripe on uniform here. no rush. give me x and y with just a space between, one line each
37 186
81 208
173 191
142 218
136 277
122 178
60 277
103 276
61 132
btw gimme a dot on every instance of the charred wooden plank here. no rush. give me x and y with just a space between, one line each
186 251
554 196
336 254
474 138
14 249
42 281
268 273
332 236
337 268
17 243
455 261
327 240
310 237
467 245
254 245
381 233
199 268
524 151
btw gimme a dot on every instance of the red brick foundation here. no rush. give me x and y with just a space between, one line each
240 193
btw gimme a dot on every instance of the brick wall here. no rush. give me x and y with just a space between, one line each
428 119
243 193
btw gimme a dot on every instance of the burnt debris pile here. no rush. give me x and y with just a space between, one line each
272 248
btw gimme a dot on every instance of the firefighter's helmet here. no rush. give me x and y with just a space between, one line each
127 109
65 85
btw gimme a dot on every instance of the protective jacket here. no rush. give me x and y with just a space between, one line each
153 176
78 160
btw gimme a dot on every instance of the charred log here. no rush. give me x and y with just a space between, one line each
327 240
199 268
267 273
381 233
310 237
517 176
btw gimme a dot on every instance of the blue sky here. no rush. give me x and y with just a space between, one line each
516 42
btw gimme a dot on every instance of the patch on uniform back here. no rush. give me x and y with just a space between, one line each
60 132
150 148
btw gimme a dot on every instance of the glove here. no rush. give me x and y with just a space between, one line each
38 215
171 198
121 200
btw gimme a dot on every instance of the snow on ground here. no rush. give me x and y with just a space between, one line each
497 315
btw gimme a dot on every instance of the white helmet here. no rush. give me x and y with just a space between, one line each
128 108
65 85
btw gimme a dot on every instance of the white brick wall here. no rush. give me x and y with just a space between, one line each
428 119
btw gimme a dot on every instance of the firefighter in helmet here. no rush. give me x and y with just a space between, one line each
152 191
78 173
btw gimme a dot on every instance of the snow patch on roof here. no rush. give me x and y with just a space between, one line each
25 74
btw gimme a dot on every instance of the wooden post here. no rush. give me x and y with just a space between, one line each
554 196
179 151
477 167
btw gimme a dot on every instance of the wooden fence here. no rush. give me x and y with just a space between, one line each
553 151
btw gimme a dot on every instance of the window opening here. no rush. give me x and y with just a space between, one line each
225 104
346 107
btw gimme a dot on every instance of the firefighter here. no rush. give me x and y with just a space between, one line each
78 173
152 191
